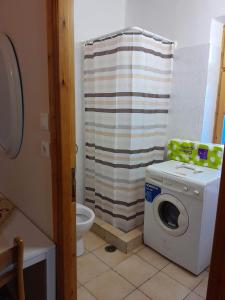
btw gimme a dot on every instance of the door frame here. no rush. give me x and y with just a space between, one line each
60 38
220 106
60 33
216 284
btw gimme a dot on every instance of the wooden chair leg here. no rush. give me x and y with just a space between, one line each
20 278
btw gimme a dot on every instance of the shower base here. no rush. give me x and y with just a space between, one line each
125 242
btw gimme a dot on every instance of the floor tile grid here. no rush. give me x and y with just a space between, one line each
134 291
80 285
83 287
161 270
191 289
112 269
137 287
86 252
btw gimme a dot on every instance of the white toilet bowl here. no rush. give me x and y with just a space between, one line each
84 220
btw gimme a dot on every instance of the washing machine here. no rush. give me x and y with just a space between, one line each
180 212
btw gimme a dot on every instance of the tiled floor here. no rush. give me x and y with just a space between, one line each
142 274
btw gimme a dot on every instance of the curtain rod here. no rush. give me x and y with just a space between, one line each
127 30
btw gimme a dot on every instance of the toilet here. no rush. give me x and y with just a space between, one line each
84 220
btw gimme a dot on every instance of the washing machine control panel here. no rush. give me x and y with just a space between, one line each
154 185
191 190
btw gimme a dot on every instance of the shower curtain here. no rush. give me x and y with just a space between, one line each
127 80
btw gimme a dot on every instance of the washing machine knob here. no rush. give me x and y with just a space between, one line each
196 192
185 188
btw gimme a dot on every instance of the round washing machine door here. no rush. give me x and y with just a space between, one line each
170 214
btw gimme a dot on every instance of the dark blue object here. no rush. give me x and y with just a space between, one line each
151 191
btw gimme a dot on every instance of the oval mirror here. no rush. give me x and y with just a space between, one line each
11 100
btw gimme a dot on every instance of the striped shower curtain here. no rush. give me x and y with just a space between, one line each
127 81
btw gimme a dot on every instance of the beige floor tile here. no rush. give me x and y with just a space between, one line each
109 286
110 258
78 284
135 270
184 277
193 296
92 241
201 289
83 294
152 257
162 287
136 295
88 267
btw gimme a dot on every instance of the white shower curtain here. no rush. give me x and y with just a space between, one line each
127 81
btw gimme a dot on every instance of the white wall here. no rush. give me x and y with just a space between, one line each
92 19
188 92
193 19
188 23
27 179
156 16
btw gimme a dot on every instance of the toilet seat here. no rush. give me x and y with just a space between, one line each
84 214
84 220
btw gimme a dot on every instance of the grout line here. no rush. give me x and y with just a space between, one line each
169 262
191 289
133 292
197 286
97 247
111 268
148 280
95 277
89 292
194 293
137 287
146 261
107 264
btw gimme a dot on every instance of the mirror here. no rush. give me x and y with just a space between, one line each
11 100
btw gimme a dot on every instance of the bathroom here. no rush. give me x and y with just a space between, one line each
113 254
136 201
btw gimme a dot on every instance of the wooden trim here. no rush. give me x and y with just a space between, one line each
61 98
13 256
218 125
216 285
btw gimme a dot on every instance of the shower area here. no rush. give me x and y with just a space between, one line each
127 84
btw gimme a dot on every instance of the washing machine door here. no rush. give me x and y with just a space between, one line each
170 214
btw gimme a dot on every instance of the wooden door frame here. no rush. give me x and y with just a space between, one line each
216 285
60 35
218 123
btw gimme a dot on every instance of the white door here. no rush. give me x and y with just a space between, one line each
170 214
